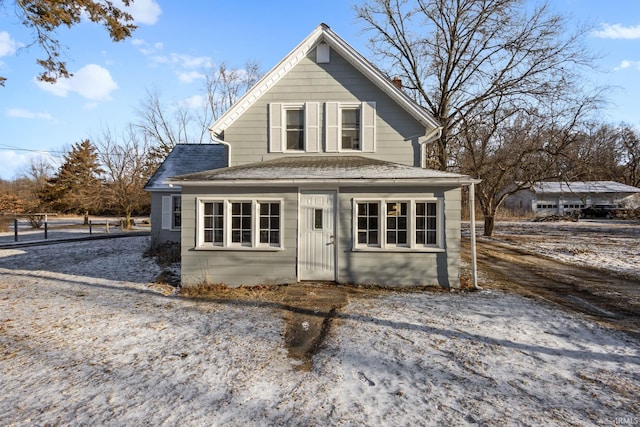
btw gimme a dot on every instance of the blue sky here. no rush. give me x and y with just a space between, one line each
176 40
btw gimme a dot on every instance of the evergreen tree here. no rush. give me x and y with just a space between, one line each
76 188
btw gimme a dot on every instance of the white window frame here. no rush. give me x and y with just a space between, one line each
412 245
333 126
168 212
278 126
341 108
227 243
175 198
285 137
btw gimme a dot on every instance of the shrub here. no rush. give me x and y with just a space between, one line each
165 253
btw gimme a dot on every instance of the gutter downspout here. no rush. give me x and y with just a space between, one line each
435 134
472 221
219 141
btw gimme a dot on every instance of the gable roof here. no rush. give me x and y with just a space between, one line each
187 158
307 169
322 33
584 187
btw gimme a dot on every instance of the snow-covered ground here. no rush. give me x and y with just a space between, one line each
604 244
86 339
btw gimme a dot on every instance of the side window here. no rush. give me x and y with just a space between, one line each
171 212
176 212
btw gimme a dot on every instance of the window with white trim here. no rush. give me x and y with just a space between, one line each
426 223
350 131
237 224
176 212
171 212
294 120
350 126
397 224
294 127
368 223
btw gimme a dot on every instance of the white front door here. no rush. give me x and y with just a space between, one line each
317 236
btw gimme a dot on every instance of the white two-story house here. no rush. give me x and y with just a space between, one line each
324 182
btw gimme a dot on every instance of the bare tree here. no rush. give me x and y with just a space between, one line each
166 125
124 160
511 148
455 56
224 86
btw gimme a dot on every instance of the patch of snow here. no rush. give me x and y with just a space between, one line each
87 339
603 244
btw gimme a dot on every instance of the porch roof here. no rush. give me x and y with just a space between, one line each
321 168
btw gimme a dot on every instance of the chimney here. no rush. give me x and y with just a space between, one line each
397 82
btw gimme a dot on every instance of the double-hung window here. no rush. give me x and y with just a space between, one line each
350 130
350 126
397 225
239 224
294 119
171 212
294 127
176 212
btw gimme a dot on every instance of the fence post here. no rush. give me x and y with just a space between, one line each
15 229
90 224
46 230
107 226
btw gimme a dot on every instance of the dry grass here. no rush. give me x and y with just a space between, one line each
262 293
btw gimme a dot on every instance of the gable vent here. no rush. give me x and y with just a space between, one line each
322 53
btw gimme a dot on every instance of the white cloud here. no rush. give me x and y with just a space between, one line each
183 61
8 46
618 31
22 113
626 64
92 82
190 76
193 102
146 48
143 11
11 163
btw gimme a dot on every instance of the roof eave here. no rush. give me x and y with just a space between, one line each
457 181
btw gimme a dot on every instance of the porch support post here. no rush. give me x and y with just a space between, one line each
472 222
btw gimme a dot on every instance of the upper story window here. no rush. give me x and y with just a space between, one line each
350 128
346 126
295 128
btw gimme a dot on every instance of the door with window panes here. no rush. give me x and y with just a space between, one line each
317 236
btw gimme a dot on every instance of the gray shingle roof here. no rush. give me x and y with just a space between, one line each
188 158
584 187
309 168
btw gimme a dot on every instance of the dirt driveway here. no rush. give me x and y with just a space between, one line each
611 300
